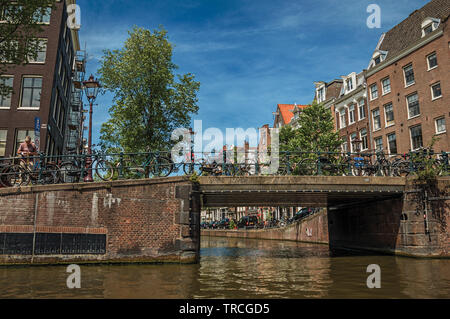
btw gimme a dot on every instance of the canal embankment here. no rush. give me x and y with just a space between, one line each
312 229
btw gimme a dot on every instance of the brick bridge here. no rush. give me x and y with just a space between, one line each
158 220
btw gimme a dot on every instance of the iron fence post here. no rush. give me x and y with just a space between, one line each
157 163
41 165
83 166
224 155
288 163
319 164
121 166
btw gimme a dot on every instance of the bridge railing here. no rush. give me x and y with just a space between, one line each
44 169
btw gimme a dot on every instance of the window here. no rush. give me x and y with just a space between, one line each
392 143
379 144
362 110
363 136
440 125
31 92
432 61
20 137
416 137
3 134
376 120
43 15
428 29
386 83
321 94
409 75
377 60
353 147
5 101
389 114
9 50
349 83
373 92
413 105
344 147
41 52
436 91
342 118
351 114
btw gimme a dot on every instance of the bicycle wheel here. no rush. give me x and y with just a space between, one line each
50 175
307 167
104 170
162 167
401 168
190 168
14 176
69 173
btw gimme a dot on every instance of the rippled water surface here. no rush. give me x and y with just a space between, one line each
242 268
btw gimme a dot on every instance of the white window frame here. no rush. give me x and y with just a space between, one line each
370 91
359 109
350 111
436 125
373 119
342 119
380 138
361 138
351 141
32 61
428 61
410 136
388 124
432 92
382 86
407 106
20 107
388 144
404 75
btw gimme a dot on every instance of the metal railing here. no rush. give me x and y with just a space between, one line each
43 169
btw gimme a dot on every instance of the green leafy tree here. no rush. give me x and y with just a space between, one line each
18 30
150 101
315 135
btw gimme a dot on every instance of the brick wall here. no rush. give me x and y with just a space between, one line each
394 226
144 221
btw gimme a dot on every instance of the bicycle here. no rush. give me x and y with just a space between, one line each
153 164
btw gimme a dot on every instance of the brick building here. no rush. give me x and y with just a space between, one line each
327 93
408 82
48 89
351 114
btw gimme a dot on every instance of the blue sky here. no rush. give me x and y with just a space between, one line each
249 55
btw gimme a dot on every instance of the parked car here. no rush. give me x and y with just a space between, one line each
248 222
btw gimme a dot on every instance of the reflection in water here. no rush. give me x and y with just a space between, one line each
241 268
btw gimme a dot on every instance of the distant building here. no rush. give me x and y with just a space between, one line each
408 82
44 89
351 114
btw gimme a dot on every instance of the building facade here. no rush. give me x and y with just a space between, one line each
408 82
351 114
42 89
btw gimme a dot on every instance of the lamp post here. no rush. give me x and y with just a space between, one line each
91 88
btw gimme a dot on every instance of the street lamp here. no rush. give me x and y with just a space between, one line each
91 88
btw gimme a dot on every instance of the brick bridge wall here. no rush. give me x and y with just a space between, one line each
140 221
395 226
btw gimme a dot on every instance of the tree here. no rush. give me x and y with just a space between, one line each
149 103
18 29
315 135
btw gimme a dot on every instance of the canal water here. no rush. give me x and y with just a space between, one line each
241 268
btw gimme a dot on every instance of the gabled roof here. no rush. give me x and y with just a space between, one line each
286 111
409 30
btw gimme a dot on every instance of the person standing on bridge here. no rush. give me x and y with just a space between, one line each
26 149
